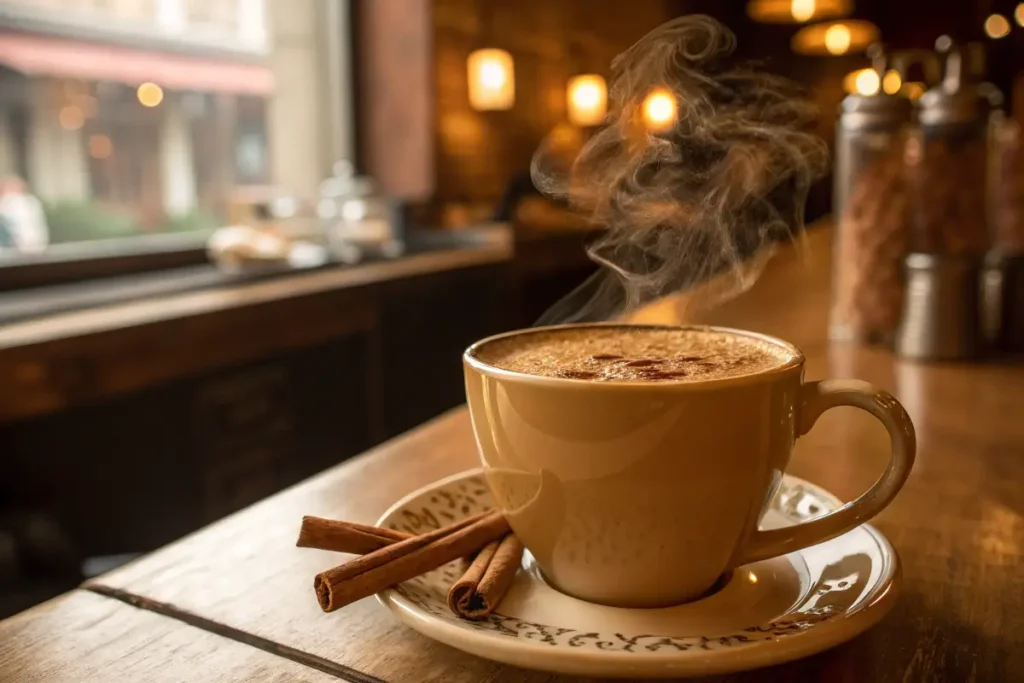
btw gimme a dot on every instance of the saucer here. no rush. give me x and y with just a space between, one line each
761 614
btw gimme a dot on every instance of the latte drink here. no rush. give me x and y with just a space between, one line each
631 353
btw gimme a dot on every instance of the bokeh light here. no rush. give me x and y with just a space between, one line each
71 117
587 100
997 26
837 39
150 94
660 110
867 82
100 146
914 89
491 79
802 10
892 82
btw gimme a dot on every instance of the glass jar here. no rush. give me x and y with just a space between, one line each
1007 188
947 163
870 200
947 166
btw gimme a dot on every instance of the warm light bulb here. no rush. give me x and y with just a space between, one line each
491 80
587 100
660 110
891 82
150 94
1018 14
837 39
492 75
586 95
867 82
802 10
997 26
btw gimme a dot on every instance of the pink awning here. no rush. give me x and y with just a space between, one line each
66 58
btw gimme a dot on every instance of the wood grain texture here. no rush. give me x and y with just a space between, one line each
958 524
86 637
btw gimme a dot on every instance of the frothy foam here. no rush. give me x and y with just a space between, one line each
608 354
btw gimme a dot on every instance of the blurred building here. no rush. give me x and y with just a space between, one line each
157 109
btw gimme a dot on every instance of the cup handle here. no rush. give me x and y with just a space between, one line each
815 399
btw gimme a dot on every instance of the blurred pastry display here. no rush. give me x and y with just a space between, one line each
356 220
239 248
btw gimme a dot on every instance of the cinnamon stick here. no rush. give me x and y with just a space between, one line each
404 560
485 583
345 537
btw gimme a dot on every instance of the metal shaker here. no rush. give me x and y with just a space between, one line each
941 302
947 166
1003 301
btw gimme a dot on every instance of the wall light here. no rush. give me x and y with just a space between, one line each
835 38
660 110
997 26
587 99
492 84
797 11
150 94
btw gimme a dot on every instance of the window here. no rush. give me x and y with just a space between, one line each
128 122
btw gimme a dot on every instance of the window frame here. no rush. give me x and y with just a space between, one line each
88 260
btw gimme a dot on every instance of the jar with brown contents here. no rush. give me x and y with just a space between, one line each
870 203
947 175
947 167
947 164
1007 190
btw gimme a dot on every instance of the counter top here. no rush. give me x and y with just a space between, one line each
958 526
465 249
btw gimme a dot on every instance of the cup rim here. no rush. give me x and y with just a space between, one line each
795 362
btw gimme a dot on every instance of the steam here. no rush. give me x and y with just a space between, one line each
728 180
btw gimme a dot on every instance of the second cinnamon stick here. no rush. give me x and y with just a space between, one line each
488 578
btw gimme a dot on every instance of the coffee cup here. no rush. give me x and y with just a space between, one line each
643 490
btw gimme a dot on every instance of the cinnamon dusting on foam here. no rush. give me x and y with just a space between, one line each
631 354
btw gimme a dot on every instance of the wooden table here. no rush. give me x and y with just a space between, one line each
958 525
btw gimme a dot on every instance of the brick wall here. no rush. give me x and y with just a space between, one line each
550 40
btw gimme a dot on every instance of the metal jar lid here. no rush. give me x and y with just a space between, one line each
957 99
878 110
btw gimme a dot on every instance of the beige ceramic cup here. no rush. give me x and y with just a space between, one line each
643 494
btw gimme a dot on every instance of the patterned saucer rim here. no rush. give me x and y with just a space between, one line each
769 651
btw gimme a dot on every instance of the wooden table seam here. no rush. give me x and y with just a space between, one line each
284 651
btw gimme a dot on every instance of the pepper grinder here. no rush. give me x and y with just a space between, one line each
947 165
